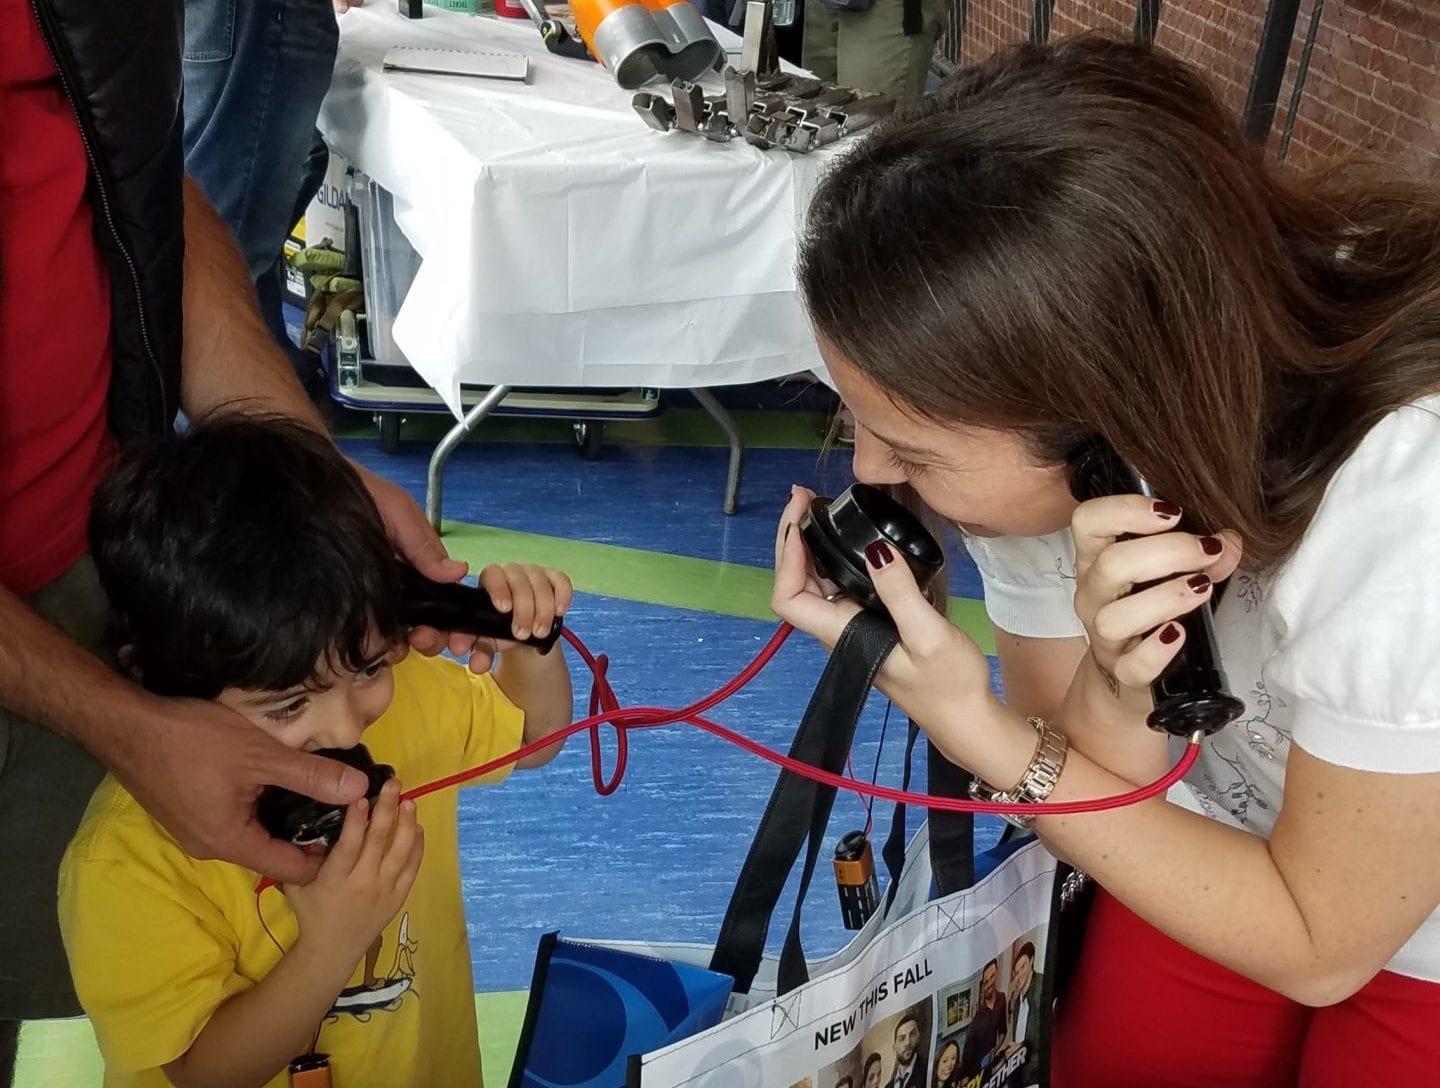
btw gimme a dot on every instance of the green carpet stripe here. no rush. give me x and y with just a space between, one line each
500 1017
676 581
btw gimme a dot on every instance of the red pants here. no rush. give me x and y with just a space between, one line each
1145 1012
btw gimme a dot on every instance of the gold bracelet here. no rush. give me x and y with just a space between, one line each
1039 779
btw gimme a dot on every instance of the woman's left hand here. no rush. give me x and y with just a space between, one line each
935 674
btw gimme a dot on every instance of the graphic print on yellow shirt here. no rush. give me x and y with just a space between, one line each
158 941
379 993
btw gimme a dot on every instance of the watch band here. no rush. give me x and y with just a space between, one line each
1038 780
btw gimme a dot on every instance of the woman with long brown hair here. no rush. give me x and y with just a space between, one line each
1075 240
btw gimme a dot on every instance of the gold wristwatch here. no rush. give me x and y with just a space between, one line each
1037 781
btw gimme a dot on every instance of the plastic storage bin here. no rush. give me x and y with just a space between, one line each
388 265
372 373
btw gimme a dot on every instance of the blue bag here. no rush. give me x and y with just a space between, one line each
598 1006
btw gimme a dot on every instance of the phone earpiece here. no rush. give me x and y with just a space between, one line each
1192 695
305 821
837 531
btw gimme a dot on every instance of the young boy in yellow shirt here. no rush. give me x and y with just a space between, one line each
248 565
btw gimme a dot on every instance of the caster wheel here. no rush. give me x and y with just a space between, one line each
389 423
589 437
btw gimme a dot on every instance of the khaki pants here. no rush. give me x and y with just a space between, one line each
868 50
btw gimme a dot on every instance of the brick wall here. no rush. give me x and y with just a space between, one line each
1373 83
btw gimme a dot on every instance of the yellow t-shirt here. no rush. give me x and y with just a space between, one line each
157 940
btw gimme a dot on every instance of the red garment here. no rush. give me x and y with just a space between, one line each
1145 1012
54 318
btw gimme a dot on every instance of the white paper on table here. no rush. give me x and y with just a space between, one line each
563 243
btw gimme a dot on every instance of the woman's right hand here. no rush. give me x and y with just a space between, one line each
935 673
365 878
1131 638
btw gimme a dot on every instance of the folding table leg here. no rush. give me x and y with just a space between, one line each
737 446
435 479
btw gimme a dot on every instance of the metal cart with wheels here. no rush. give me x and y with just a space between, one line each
380 380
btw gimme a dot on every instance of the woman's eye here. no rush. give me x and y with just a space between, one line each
286 712
909 468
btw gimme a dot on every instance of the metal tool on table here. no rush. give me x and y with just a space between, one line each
799 115
758 51
554 34
636 40
762 105
692 49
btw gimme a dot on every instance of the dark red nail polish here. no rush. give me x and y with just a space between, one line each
1165 509
1199 582
879 554
1211 545
1169 633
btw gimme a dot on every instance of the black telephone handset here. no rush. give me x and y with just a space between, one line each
1191 696
454 606
448 606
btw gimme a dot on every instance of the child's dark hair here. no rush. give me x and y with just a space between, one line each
240 553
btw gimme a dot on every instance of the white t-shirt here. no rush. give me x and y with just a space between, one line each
1336 649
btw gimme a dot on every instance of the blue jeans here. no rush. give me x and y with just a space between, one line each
256 72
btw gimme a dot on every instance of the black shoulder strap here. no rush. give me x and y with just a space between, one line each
799 808
952 834
893 851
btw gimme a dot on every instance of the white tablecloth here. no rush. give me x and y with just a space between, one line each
564 243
